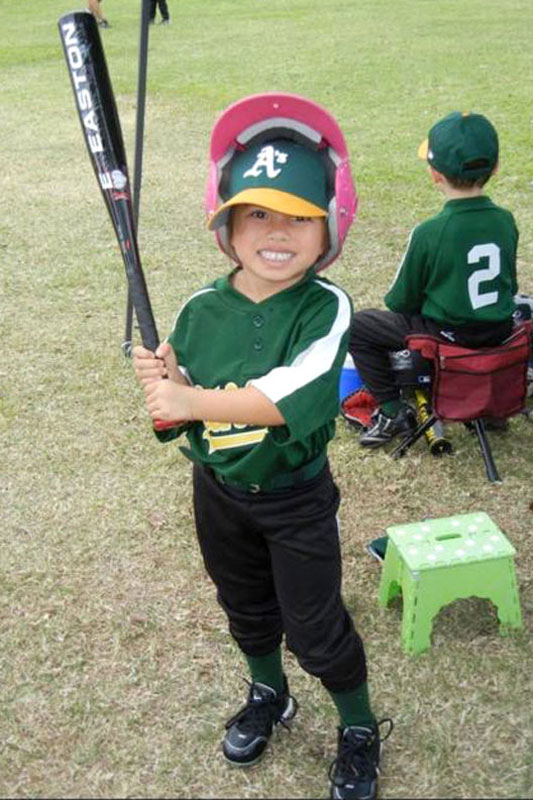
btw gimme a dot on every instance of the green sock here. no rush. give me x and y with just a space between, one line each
267 669
354 706
391 407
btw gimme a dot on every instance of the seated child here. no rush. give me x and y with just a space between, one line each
457 278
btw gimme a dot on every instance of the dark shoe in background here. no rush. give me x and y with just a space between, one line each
383 429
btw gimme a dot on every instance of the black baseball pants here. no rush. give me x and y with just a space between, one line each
163 8
275 560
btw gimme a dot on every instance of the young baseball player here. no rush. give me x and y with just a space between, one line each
457 278
253 365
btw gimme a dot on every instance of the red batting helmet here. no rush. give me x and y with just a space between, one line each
276 115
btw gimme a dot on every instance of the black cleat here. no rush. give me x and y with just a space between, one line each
249 731
383 429
354 773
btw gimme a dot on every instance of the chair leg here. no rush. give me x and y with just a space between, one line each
490 466
413 437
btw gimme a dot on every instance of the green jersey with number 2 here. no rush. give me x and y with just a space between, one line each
460 265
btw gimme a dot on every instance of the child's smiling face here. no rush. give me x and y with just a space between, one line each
274 250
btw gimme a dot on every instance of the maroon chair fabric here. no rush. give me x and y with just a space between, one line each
485 382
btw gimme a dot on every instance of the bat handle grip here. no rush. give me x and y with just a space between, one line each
161 425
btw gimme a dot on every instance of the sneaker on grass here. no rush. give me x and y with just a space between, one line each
354 773
383 428
249 731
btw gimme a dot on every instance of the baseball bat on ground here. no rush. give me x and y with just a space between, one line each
100 124
435 436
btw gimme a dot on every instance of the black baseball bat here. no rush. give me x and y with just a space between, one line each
139 141
100 124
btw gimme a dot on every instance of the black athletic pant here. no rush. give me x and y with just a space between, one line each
275 560
375 333
162 7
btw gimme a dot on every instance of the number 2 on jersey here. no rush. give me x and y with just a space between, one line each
492 252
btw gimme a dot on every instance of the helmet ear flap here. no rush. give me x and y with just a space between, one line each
223 235
270 115
341 213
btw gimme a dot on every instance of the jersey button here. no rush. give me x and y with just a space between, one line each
258 321
258 344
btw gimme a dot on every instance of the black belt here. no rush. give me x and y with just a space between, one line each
285 480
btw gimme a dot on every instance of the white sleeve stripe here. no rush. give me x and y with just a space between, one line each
313 362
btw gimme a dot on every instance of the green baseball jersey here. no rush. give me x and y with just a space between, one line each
290 346
460 266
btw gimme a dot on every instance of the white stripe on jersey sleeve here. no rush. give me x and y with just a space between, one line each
312 362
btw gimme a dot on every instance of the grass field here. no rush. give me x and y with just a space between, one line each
116 670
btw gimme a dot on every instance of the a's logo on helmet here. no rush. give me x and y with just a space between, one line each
267 160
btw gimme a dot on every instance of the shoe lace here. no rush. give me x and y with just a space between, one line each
258 714
385 721
355 754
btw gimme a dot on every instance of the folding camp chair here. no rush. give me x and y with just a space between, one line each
469 384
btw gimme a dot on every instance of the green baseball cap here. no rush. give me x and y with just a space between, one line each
280 175
462 145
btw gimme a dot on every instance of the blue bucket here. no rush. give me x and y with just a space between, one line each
350 379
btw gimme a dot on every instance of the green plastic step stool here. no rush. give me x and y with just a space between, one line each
436 561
